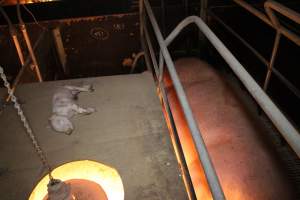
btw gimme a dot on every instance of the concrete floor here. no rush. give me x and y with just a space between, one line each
128 132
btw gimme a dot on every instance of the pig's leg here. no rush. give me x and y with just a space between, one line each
76 89
80 110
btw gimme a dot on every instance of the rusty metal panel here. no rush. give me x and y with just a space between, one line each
97 46
94 46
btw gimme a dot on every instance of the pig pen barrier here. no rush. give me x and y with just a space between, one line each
284 126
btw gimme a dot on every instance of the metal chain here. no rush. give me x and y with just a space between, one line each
26 125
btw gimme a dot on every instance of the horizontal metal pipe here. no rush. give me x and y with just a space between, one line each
290 35
287 130
289 13
254 11
204 157
283 10
243 41
287 83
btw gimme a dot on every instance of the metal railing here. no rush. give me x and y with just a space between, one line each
280 121
272 20
204 157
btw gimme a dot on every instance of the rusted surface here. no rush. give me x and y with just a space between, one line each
243 157
94 46
97 45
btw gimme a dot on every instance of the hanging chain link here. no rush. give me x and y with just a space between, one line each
26 125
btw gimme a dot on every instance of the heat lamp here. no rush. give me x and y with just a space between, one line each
87 180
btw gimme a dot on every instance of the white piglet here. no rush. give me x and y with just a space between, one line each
64 107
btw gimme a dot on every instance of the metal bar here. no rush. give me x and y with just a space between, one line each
28 43
18 48
20 56
203 9
135 60
163 17
26 63
284 31
244 42
289 13
273 57
31 53
177 145
287 130
151 50
286 82
254 11
60 49
143 43
13 34
161 67
204 157
187 179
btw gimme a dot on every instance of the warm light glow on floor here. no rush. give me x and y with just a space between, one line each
14 2
107 177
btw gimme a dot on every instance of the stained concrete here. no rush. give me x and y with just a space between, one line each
127 132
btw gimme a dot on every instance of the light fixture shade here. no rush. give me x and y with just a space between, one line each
106 177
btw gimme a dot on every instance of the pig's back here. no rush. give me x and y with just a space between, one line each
243 158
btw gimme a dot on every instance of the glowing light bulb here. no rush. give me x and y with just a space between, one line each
95 179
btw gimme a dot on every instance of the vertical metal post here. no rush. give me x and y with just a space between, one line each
142 24
26 63
31 52
18 48
203 9
273 58
28 43
60 49
163 16
21 58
